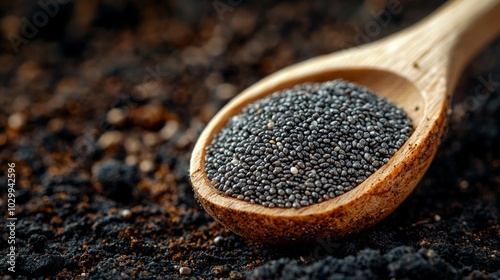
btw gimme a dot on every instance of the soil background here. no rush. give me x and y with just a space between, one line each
101 103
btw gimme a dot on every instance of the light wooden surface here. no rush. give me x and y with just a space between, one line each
416 69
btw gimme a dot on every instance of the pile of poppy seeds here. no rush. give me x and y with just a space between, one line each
305 145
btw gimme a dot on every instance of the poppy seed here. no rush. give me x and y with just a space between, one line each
301 146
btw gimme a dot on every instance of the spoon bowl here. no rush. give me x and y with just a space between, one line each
416 70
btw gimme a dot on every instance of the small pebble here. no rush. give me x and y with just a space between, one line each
225 91
150 116
213 80
185 270
437 218
110 139
150 139
464 185
430 253
125 213
132 145
131 160
17 121
116 116
218 240
147 166
169 130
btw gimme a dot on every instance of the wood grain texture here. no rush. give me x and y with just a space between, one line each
416 69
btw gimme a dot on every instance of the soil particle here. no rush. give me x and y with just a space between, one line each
117 179
37 243
399 263
39 265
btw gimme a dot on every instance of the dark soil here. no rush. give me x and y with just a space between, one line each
100 109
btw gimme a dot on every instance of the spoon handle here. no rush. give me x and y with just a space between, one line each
446 41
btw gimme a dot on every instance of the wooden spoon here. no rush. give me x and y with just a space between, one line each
416 69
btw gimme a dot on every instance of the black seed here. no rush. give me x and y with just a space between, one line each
334 134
